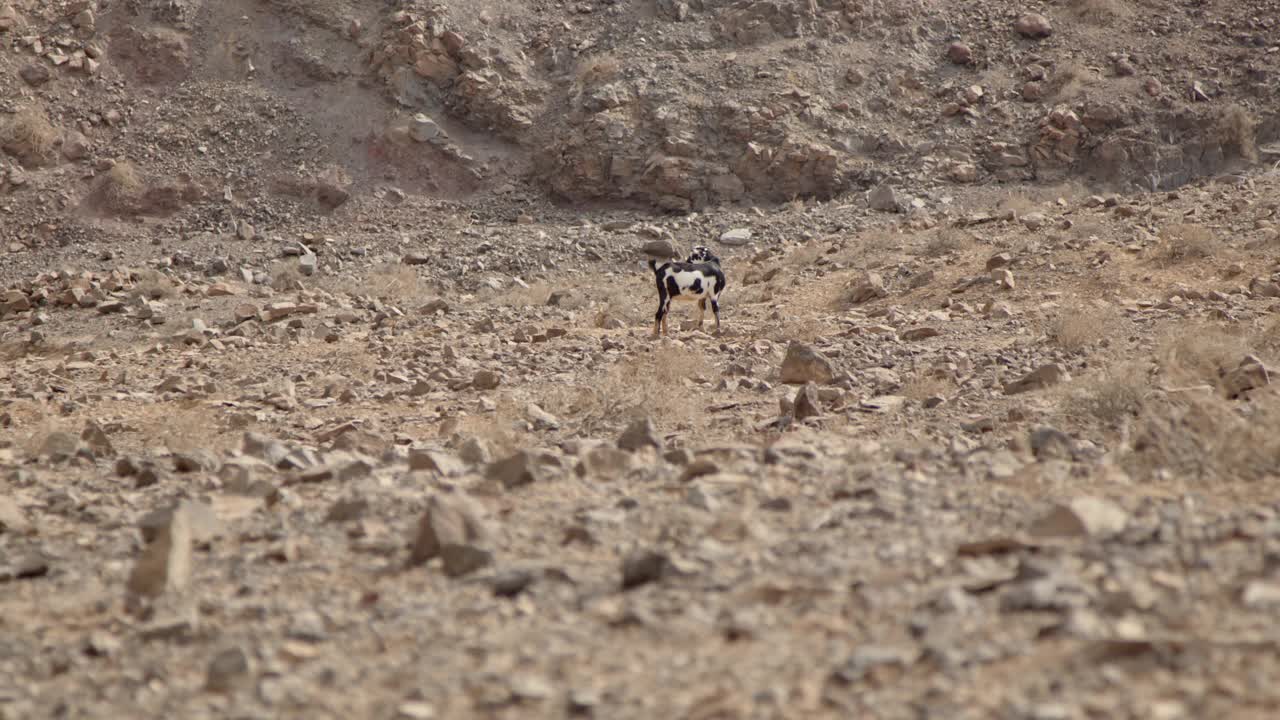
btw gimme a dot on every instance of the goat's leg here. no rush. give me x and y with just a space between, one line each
660 316
702 310
715 308
666 314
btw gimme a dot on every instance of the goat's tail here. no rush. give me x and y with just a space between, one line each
653 265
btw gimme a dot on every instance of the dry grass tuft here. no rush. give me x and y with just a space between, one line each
598 70
30 137
947 241
190 428
389 282
351 362
393 282
501 429
1181 425
1084 325
1199 355
121 188
1188 241
1069 80
535 295
799 328
924 385
628 390
1205 437
285 277
1118 392
1100 11
1236 130
804 256
1017 204
633 299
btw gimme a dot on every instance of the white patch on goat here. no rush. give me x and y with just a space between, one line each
685 280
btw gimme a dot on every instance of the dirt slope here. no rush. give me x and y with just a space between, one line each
327 385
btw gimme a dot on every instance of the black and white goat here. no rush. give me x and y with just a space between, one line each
699 278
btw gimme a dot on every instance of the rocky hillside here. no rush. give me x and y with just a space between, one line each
327 385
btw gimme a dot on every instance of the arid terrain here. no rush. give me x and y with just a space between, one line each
327 386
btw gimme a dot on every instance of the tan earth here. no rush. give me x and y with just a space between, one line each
327 387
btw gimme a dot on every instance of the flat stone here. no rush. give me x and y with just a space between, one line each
486 380
806 403
803 364
12 520
639 434
423 129
643 567
436 461
1042 377
227 671
1034 26
520 468
1085 516
165 563
870 287
451 529
920 333
1261 595
884 199
959 53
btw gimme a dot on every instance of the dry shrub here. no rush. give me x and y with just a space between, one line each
1100 11
947 241
1188 241
798 328
1017 204
1068 81
631 389
285 276
351 361
1089 228
923 386
878 242
500 429
1199 354
1180 423
1080 326
1236 130
120 189
393 282
153 285
804 256
534 295
1206 437
633 299
1187 427
598 70
1267 340
797 205
188 428
390 282
30 137
1119 391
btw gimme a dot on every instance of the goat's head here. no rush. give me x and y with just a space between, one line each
702 254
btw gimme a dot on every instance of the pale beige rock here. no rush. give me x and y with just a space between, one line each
1085 516
451 529
803 364
164 567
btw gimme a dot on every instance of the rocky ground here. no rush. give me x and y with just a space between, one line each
328 388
